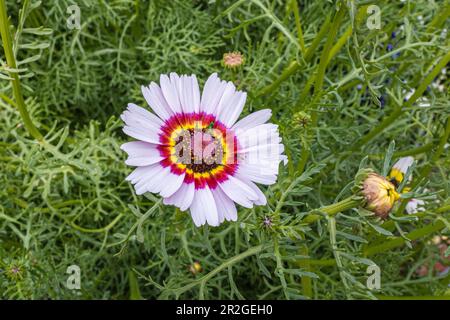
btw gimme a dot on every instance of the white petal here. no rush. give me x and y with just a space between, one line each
195 93
415 205
203 208
141 124
226 99
257 173
170 91
139 148
183 197
153 182
238 191
141 175
212 93
142 134
225 206
261 201
266 151
146 114
143 161
197 214
190 94
254 119
171 184
138 121
403 164
155 99
261 161
231 111
138 173
262 134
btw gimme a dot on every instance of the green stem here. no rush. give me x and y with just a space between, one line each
11 61
333 209
317 39
304 264
298 25
336 252
326 51
340 43
280 269
99 230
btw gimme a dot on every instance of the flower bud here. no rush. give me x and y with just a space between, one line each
301 119
380 194
232 60
195 268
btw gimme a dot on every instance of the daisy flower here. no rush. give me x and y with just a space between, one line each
193 153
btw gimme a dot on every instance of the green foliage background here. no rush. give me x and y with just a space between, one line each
65 201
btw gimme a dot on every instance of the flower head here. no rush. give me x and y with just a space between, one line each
193 153
233 59
380 194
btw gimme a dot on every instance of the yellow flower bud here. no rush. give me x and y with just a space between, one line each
195 268
380 194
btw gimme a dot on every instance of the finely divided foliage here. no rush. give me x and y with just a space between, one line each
313 74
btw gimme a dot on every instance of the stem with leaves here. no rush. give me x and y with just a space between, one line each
333 209
11 61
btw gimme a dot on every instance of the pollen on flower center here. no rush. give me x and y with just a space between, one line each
200 147
200 150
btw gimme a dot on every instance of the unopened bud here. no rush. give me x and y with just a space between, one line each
195 268
380 194
232 60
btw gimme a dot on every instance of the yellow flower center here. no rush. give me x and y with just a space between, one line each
391 193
